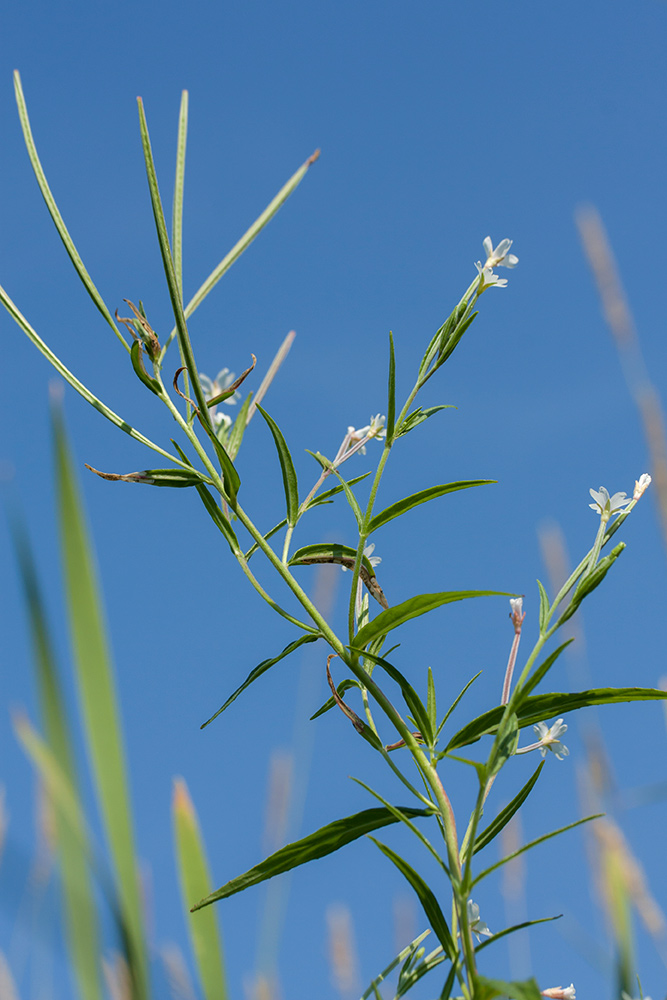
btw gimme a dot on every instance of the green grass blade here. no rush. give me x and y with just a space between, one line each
101 407
195 882
55 213
177 208
98 701
78 900
242 245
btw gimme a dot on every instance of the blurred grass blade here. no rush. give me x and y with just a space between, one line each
273 369
290 484
8 990
73 846
195 882
101 407
78 901
98 702
244 243
55 214
177 208
324 841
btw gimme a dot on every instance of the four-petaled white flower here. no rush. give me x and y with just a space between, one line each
211 388
606 505
500 257
476 925
561 992
488 278
641 485
549 738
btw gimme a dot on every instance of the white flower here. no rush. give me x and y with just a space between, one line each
500 256
561 992
516 604
549 739
488 278
477 926
606 505
641 485
375 429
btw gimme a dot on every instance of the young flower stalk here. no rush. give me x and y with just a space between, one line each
517 615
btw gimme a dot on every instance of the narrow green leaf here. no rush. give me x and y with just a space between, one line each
544 607
179 183
287 468
402 818
590 581
412 608
544 706
328 494
413 973
538 675
230 477
534 843
351 499
140 369
402 956
453 341
410 696
401 506
455 703
513 929
54 212
487 989
261 669
504 745
430 702
345 685
219 518
391 393
316 845
195 881
505 815
426 897
83 391
187 355
238 428
98 697
78 901
248 237
418 416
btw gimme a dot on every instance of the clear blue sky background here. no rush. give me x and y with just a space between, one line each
440 122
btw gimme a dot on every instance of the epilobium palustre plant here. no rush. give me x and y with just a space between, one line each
408 731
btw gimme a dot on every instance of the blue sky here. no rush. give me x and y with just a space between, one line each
439 123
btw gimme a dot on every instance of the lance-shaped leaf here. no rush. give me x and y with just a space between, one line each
505 815
290 484
175 478
402 956
179 185
238 428
544 607
55 213
412 608
136 355
316 845
343 555
345 685
195 880
260 669
401 506
96 685
412 699
514 929
426 898
544 706
418 416
219 518
391 391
